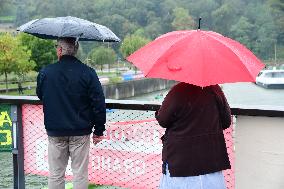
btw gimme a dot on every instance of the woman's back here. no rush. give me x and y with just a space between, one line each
194 143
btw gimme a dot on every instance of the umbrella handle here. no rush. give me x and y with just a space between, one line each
77 38
199 23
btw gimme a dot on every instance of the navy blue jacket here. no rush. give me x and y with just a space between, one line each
73 99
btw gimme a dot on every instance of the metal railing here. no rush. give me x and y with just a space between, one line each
128 157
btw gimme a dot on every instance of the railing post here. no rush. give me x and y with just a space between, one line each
17 147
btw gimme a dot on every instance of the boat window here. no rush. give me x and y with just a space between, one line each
268 74
278 75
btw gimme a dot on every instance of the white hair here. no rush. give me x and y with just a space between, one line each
69 46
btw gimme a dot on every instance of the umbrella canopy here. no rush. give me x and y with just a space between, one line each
198 57
54 28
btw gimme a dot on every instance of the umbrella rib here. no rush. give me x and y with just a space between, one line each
80 34
215 38
97 30
202 73
32 24
62 28
18 29
181 38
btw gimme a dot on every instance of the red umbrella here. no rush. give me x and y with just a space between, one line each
198 57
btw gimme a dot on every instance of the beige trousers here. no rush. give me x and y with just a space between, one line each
59 150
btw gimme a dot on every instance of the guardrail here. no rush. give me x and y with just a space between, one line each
130 155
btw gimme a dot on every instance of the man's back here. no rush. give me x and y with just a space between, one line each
73 103
72 98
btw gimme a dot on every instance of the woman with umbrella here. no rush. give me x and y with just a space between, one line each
194 149
195 111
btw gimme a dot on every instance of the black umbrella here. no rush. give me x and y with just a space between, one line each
54 28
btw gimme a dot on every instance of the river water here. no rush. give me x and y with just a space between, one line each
236 93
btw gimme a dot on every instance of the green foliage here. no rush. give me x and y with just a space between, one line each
140 32
7 19
280 53
42 51
13 57
132 43
222 18
182 19
154 29
203 9
102 55
115 80
241 31
24 64
13 77
7 52
277 10
263 34
7 8
149 19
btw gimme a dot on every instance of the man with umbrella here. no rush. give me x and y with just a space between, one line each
73 101
72 95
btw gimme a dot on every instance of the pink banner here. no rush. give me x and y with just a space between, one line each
129 156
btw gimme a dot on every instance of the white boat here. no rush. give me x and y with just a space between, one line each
271 79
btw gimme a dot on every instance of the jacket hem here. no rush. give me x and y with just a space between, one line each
68 132
196 173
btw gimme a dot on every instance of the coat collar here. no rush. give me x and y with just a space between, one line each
67 58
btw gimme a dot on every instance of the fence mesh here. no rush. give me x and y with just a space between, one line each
128 157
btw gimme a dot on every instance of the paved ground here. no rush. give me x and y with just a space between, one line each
6 171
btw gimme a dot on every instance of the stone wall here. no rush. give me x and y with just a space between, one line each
132 88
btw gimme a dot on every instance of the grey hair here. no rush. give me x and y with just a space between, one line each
69 46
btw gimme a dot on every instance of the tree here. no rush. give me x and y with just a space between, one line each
13 57
42 51
101 56
277 9
3 3
7 43
131 43
241 31
154 29
7 8
223 19
263 34
22 14
128 17
140 32
203 9
24 64
118 24
182 19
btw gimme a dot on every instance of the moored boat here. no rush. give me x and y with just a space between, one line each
271 79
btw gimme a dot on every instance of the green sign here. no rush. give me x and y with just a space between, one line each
5 128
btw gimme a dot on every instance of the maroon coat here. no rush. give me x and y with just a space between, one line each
194 143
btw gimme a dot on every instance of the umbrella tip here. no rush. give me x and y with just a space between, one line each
199 22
